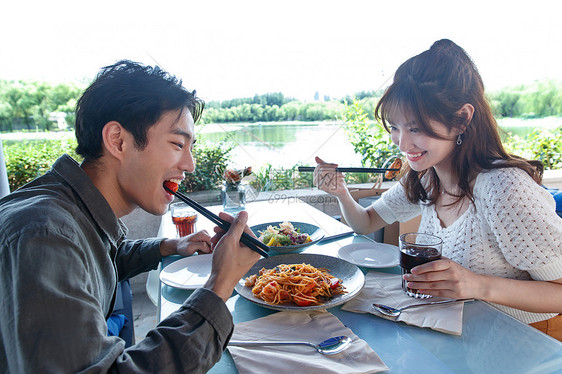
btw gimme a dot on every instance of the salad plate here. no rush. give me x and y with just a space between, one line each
316 234
371 255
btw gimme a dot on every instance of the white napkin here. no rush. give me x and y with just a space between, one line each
382 288
314 326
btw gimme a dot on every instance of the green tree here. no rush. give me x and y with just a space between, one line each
32 103
64 97
69 109
5 117
257 112
290 111
547 99
245 112
507 104
43 105
540 99
272 113
21 98
275 98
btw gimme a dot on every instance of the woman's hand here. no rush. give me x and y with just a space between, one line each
199 242
361 220
327 179
446 278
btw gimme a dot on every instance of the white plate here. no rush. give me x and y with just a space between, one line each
371 255
188 273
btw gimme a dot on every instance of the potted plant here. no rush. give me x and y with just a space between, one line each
233 190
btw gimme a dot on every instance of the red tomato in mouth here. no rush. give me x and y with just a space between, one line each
171 185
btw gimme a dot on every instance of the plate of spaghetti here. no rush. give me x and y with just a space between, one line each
299 282
287 237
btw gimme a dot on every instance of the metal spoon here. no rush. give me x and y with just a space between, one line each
327 347
395 312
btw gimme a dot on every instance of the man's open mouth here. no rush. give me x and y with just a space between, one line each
172 184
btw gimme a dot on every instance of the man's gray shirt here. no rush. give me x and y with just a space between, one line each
62 252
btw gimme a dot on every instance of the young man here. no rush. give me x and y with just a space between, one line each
63 247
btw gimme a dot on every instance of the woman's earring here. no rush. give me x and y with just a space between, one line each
459 140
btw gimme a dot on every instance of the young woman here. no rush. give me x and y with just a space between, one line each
502 237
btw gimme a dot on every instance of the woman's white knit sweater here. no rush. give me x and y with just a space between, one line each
512 230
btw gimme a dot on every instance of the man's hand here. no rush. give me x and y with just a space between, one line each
231 259
199 242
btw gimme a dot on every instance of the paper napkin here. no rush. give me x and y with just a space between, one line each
383 288
314 327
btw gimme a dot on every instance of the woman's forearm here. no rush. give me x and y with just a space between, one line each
446 278
362 220
529 295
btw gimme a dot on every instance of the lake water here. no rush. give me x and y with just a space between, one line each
285 145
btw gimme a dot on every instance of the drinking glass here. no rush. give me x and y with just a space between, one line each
415 249
184 218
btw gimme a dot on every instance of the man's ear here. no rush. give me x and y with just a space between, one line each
466 113
113 135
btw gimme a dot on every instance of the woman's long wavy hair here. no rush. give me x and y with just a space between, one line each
435 85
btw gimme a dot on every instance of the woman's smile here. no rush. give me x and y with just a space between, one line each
413 157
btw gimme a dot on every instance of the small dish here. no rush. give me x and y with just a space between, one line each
371 255
316 234
187 273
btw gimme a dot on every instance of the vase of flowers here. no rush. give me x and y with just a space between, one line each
233 190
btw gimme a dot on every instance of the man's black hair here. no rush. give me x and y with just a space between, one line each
134 95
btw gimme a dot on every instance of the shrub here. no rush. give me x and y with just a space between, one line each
209 162
541 144
28 160
369 140
269 178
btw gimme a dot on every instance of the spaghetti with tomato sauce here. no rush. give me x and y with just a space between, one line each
301 284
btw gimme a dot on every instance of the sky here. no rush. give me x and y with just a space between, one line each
228 49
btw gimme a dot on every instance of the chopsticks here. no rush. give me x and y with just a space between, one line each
336 236
253 243
308 169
